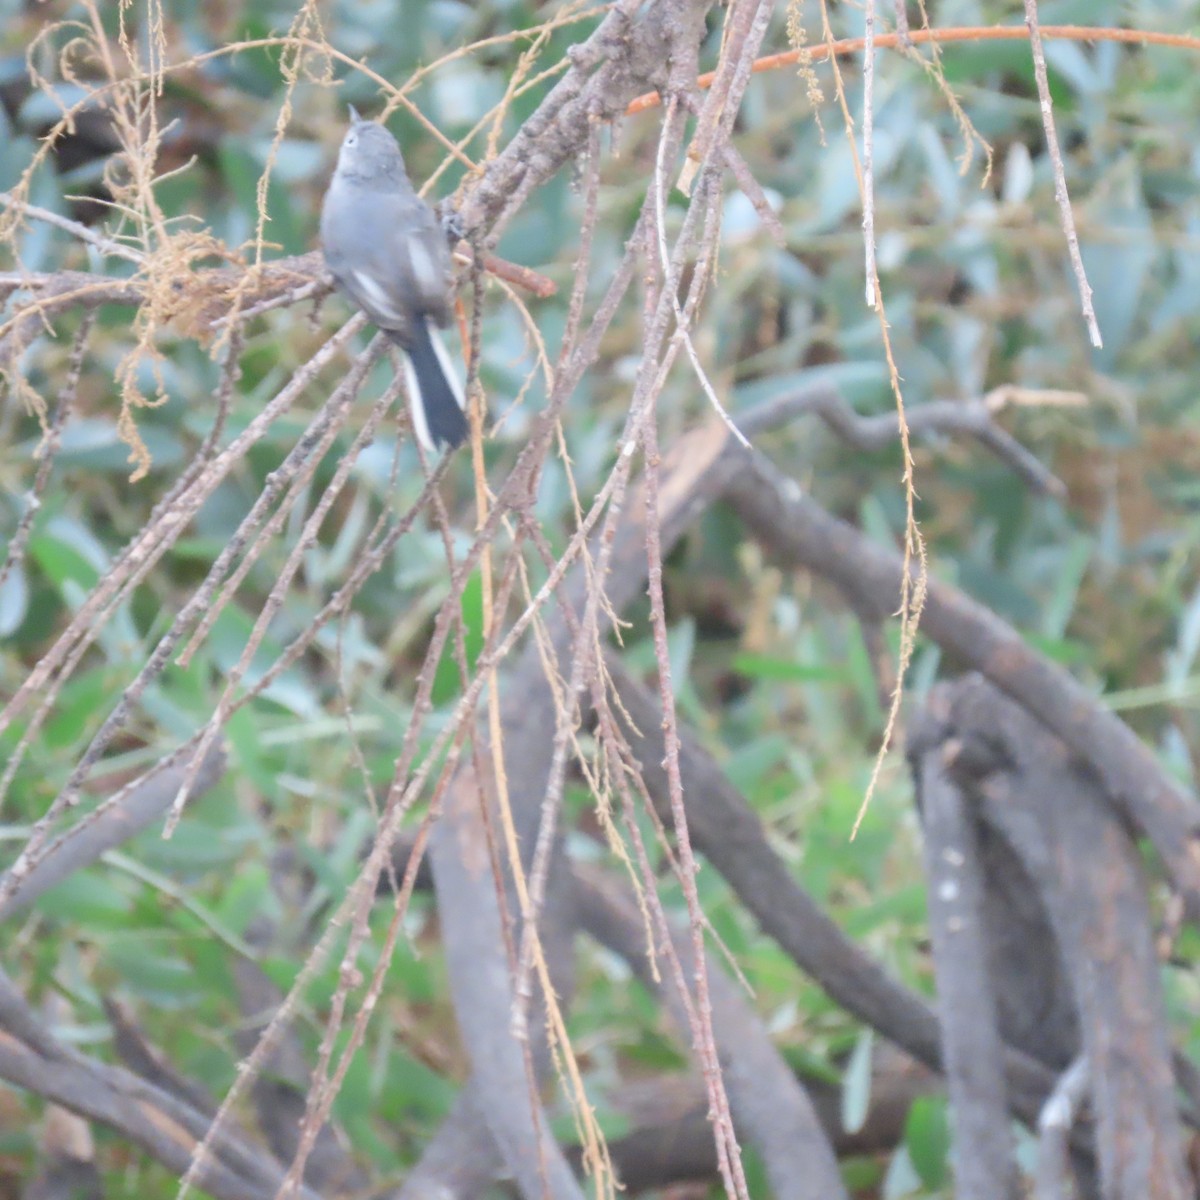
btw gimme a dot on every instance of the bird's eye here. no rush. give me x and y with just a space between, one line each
351 140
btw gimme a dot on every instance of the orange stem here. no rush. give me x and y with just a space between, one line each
920 37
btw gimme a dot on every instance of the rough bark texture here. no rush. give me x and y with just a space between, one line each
1021 785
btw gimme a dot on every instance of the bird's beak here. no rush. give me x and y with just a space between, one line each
354 117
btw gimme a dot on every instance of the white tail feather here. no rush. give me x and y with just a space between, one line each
448 369
416 406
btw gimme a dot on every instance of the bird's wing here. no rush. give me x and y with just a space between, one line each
363 259
392 260
422 249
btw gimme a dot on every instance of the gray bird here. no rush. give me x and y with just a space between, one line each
388 253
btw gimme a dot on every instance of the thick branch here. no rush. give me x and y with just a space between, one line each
800 533
164 1126
113 823
983 1149
730 835
629 53
969 418
670 1138
1078 858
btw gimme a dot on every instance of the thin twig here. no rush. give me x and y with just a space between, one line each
47 451
106 245
956 34
868 156
338 407
1065 211
1057 1117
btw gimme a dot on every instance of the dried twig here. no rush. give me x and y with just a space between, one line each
870 273
47 451
1065 212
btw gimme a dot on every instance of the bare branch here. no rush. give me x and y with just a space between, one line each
165 1127
1053 838
123 816
731 837
771 1109
799 532
984 1164
1065 212
47 452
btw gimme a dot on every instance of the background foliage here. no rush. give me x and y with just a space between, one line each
978 295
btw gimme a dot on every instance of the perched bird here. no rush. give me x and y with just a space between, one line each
388 253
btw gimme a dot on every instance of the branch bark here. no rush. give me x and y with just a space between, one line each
799 533
1077 856
984 1166
165 1127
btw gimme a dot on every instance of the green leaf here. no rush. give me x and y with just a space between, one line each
63 554
246 896
765 666
84 702
901 1179
856 1086
14 602
447 680
89 898
148 966
927 1137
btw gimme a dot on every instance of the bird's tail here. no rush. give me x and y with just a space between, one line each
435 393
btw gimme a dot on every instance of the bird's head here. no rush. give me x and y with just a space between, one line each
369 151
